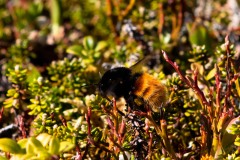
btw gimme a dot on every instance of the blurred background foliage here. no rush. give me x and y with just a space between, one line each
51 54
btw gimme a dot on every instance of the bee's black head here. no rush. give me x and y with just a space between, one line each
116 82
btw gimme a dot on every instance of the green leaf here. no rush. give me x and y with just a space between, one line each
101 45
32 106
237 141
11 92
229 136
3 158
44 138
198 35
32 73
234 126
55 15
84 53
88 43
34 146
237 158
23 156
54 145
43 154
9 145
35 9
75 50
66 146
69 126
23 142
8 103
165 38
211 74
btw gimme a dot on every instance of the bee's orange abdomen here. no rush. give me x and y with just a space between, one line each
151 90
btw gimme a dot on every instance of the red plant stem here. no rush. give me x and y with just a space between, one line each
1 113
161 18
90 140
7 155
121 132
63 120
161 131
106 111
109 8
79 156
111 125
166 140
176 67
127 9
193 85
86 151
139 113
227 67
236 76
198 90
218 98
150 145
177 21
204 139
115 125
88 117
21 126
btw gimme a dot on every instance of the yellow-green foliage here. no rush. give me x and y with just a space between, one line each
53 53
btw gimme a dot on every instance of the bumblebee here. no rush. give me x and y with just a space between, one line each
133 86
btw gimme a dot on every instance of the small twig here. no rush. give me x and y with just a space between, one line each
1 113
150 146
198 90
109 15
79 155
63 120
85 151
88 117
177 21
106 111
176 67
218 87
21 126
98 145
161 18
90 140
7 155
227 67
203 139
119 135
121 131
115 120
161 131
128 8
111 125
206 133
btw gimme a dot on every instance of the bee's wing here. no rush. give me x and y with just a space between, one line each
137 67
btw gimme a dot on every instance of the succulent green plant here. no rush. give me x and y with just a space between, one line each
51 54
44 146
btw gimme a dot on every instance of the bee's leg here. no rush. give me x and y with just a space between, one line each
161 112
130 102
121 113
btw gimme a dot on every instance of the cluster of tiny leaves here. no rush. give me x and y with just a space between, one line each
63 108
18 93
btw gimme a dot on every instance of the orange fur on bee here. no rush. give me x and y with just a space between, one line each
151 90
